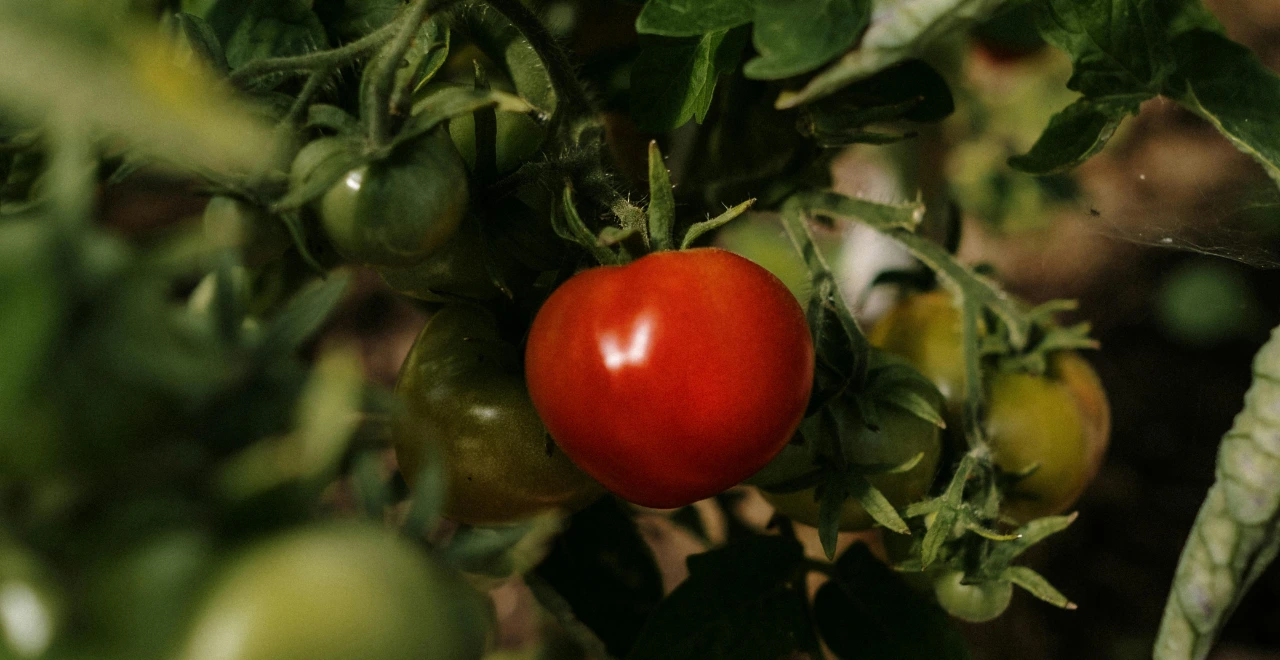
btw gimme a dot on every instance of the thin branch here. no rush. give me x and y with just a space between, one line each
314 61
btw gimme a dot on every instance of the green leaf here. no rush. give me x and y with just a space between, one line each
427 53
275 28
453 101
1039 587
876 504
867 612
1125 51
797 36
697 230
568 225
303 315
200 40
30 308
744 601
348 20
323 115
605 571
898 31
689 18
911 91
1076 133
662 203
674 80
1232 89
503 551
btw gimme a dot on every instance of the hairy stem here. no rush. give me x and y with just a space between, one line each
326 59
382 77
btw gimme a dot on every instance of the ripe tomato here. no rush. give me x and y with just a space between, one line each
338 591
464 398
1058 422
972 602
674 377
396 211
902 436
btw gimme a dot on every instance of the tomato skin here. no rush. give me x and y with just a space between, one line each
674 377
464 398
903 436
1059 421
457 269
395 211
338 591
975 603
925 330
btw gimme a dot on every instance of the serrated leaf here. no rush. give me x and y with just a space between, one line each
796 36
688 18
662 203
697 230
674 80
275 28
1039 587
744 601
1076 134
867 612
606 573
898 31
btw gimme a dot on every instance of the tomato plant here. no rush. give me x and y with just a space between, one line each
225 224
663 386
1048 432
466 402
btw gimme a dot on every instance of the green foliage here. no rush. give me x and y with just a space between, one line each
1128 52
675 77
797 37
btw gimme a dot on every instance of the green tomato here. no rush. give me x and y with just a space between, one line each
260 237
456 270
761 238
1058 423
466 402
395 211
902 437
972 602
518 138
338 591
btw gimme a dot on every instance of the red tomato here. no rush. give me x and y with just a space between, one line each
674 377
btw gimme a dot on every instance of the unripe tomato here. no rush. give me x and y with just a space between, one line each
464 398
925 330
338 592
674 377
1059 422
231 222
972 602
518 139
457 269
902 437
395 211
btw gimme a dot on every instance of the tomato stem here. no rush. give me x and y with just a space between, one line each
319 61
382 76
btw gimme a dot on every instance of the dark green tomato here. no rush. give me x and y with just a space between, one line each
972 602
231 222
457 269
338 592
518 137
465 401
395 211
902 437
